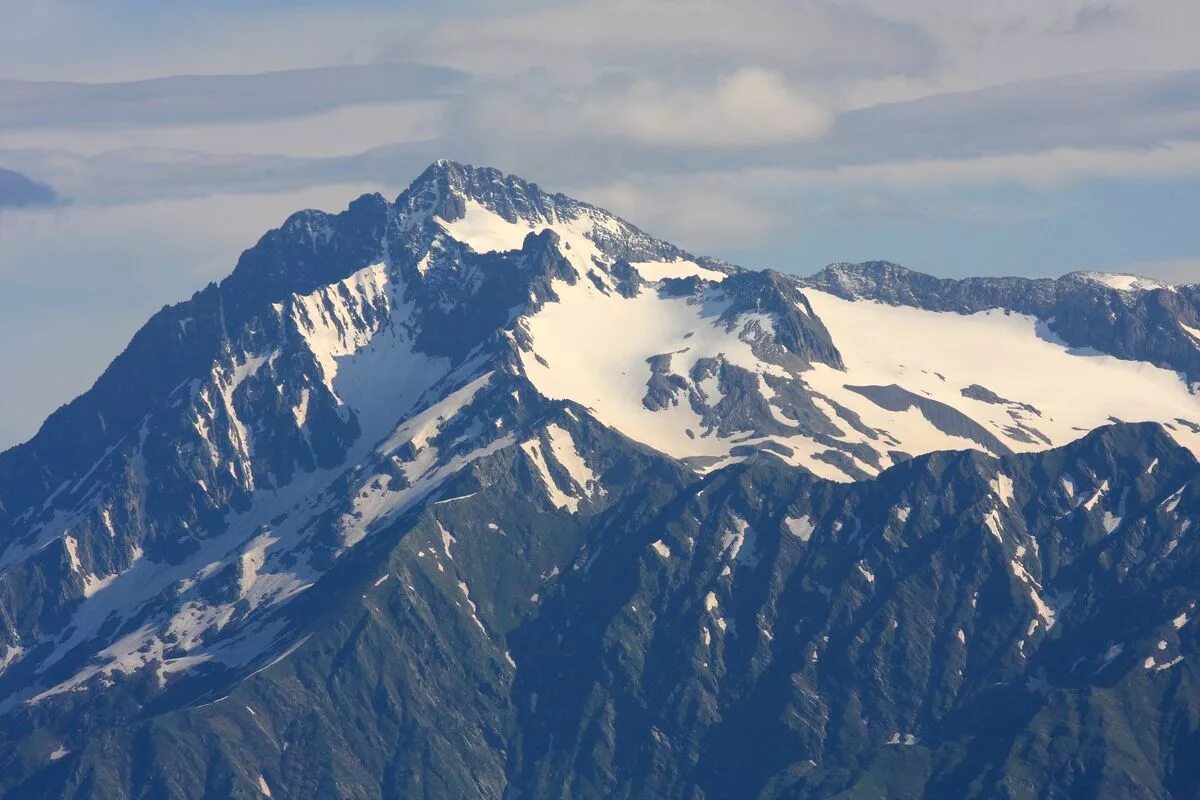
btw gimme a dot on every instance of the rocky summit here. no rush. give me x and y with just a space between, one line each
484 492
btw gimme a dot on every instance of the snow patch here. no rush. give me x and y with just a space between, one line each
992 521
681 268
565 452
11 654
713 608
466 592
485 231
800 527
1002 487
1124 282
558 498
738 535
1172 502
1096 496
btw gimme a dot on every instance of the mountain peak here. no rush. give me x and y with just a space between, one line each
873 280
457 178
446 187
460 174
868 268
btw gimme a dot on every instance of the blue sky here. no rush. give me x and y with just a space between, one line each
1023 138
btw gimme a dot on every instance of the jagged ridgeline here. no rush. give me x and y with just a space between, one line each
484 492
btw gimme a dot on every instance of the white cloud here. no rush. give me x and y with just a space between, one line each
748 108
701 213
730 209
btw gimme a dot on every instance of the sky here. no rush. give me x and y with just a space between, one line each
144 145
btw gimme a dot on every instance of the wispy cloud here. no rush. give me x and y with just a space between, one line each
208 99
820 40
593 92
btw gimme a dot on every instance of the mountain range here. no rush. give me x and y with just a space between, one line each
485 492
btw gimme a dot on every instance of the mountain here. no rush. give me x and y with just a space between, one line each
19 191
485 492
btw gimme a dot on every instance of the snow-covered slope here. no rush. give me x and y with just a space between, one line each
1006 371
594 347
911 380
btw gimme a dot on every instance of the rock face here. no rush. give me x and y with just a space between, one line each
484 492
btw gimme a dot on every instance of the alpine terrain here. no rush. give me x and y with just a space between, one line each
485 493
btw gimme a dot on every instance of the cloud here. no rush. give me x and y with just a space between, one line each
753 120
182 242
984 44
1046 169
590 93
205 99
343 131
142 175
18 191
1096 16
820 39
132 40
748 108
761 209
1107 109
1040 134
702 213
745 109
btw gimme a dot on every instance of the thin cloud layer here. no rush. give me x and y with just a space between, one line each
748 108
821 40
590 93
208 99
